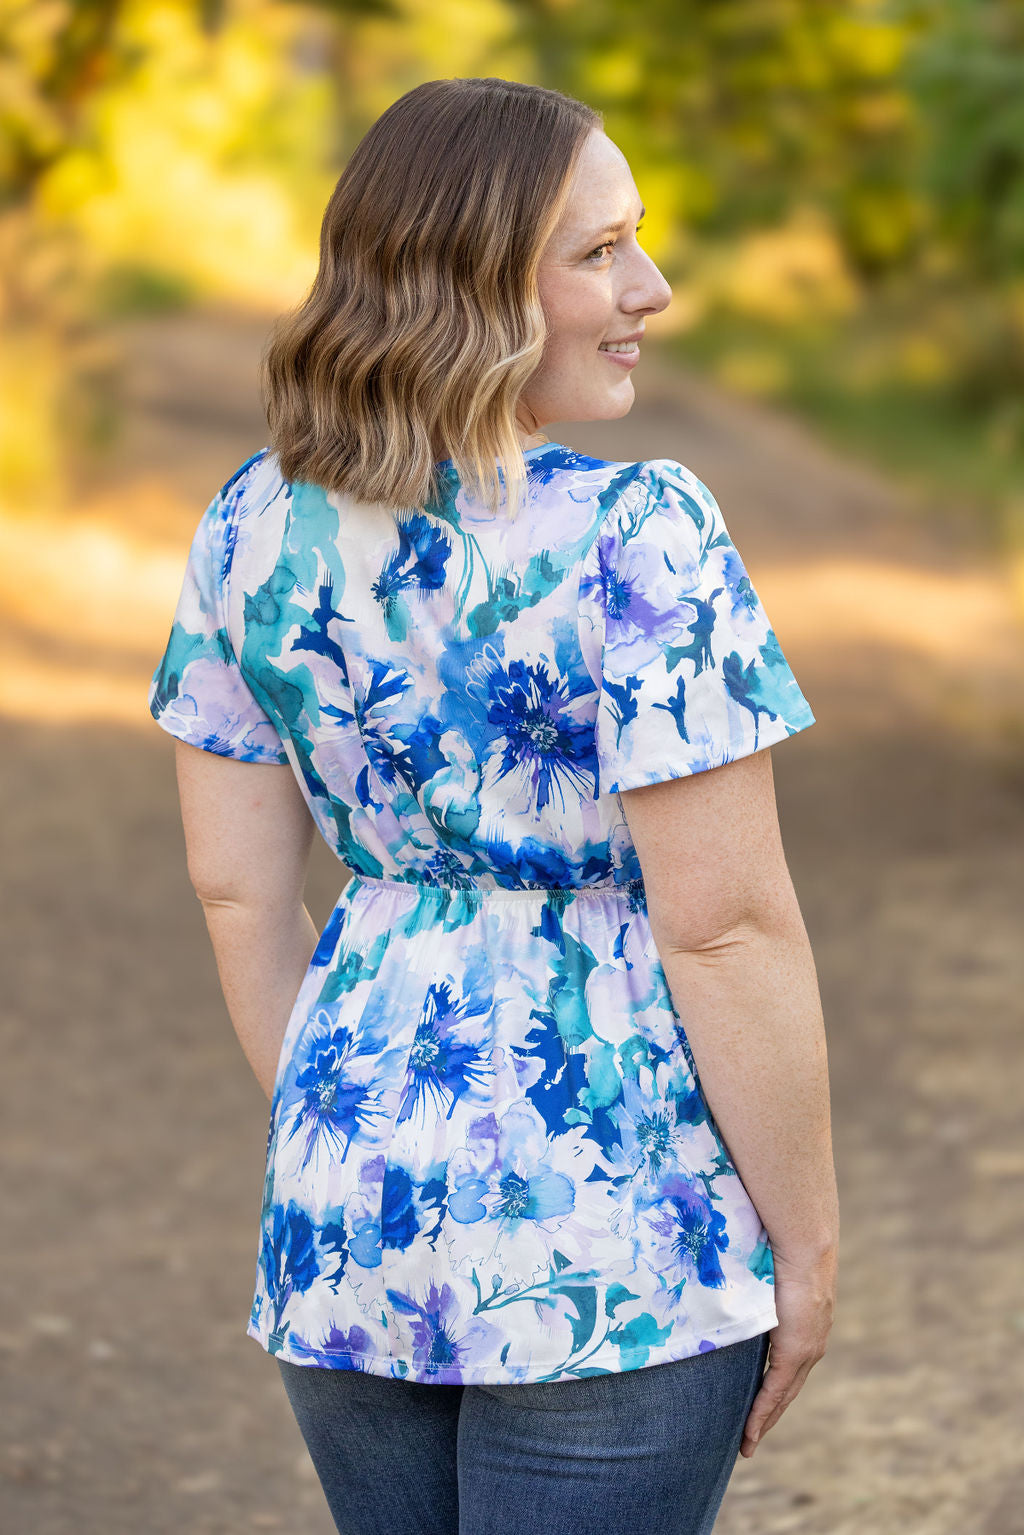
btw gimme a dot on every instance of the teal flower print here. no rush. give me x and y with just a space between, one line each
742 682
698 647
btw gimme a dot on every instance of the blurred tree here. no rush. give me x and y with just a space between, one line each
966 81
335 50
752 104
835 189
53 59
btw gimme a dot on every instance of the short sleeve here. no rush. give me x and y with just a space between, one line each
198 692
692 676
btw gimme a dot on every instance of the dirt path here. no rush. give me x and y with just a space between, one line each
133 1134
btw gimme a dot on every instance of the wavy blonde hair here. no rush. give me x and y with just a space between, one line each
424 321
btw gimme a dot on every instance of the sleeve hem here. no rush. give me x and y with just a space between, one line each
180 731
770 735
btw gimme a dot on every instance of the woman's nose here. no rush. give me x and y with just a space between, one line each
660 291
648 293
650 298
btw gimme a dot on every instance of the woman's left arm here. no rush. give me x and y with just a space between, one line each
248 834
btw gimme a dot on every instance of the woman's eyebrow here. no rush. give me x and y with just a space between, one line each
614 228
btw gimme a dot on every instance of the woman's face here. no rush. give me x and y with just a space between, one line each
597 287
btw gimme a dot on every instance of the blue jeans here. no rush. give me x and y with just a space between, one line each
643 1452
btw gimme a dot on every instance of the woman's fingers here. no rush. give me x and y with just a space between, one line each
781 1385
805 1303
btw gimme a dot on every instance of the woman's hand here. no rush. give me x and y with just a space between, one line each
736 956
805 1299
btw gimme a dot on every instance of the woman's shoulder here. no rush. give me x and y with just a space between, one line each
664 479
659 497
630 489
653 479
252 488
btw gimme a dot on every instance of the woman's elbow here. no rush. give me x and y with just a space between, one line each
220 885
721 930
217 888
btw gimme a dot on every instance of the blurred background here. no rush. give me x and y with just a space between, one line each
836 193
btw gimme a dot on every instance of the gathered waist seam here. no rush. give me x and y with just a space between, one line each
497 892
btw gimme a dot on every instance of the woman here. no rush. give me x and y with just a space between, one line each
548 1162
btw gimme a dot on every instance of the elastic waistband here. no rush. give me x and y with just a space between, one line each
499 892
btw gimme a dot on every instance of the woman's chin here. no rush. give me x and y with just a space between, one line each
617 403
621 403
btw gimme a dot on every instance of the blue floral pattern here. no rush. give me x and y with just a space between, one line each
489 1155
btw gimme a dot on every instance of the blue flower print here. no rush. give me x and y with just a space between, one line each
523 1186
288 1256
441 1339
443 1065
542 743
499 1181
489 1156
687 1236
339 1343
418 562
330 1106
314 636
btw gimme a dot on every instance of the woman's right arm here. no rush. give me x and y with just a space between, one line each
735 952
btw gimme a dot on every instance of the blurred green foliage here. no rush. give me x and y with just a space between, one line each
839 190
836 191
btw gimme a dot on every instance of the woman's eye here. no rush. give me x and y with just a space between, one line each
596 253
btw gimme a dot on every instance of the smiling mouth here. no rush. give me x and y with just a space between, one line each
626 348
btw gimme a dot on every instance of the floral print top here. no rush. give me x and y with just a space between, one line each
489 1157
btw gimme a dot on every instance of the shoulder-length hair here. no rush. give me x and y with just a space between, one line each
424 320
